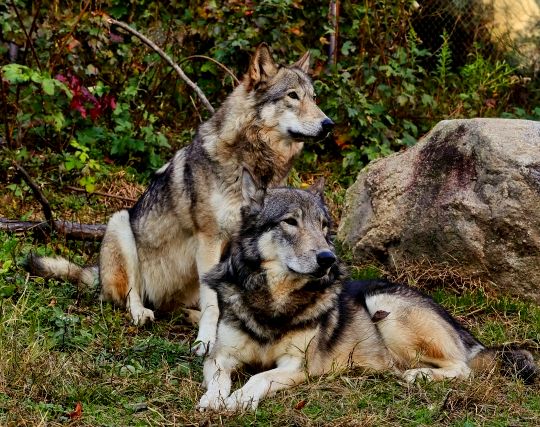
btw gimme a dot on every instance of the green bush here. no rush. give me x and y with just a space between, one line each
85 93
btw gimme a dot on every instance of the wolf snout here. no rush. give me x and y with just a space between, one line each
326 126
325 259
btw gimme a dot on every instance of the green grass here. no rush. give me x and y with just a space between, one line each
60 346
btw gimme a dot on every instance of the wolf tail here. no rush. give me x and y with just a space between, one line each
509 359
61 268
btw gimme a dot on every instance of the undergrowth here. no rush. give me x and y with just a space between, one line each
60 346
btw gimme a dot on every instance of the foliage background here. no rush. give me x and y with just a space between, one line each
78 95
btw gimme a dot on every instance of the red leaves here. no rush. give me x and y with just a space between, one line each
83 100
300 404
77 413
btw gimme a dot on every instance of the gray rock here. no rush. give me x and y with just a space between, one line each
466 196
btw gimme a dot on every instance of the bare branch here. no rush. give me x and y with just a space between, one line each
71 230
167 58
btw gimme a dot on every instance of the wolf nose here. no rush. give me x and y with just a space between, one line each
325 259
327 125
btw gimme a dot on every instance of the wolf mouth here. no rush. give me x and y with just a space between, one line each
317 274
299 135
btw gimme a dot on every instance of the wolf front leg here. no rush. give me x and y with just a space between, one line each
208 254
217 376
288 373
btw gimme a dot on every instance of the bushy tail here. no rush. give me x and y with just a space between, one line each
509 359
61 268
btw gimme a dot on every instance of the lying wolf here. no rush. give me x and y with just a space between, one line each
153 254
283 306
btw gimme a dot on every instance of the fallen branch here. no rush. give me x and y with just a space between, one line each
38 194
167 58
71 230
100 193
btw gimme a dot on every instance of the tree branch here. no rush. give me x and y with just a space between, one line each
167 58
333 17
71 230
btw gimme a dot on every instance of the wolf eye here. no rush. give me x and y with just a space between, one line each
293 95
291 221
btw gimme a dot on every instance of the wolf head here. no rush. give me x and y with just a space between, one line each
284 97
286 231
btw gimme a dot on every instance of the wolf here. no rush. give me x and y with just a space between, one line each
154 254
285 306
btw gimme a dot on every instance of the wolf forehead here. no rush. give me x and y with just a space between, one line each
281 202
287 78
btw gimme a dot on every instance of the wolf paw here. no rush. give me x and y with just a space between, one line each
413 375
141 316
202 348
239 402
210 403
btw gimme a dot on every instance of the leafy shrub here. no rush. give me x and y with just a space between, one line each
86 93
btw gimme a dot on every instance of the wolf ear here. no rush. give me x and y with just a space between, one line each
252 193
303 63
317 188
262 66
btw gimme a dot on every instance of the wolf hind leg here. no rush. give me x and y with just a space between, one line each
119 267
192 316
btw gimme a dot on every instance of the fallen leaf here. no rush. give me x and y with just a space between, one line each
77 413
300 404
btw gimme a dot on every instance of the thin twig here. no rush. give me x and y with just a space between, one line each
195 107
66 38
31 30
26 34
100 193
167 58
215 62
5 110
38 194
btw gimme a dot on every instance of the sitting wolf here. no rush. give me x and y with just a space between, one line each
153 254
283 306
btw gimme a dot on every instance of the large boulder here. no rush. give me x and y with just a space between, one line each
467 197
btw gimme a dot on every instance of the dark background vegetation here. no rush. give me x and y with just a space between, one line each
87 95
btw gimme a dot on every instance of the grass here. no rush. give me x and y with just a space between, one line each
60 346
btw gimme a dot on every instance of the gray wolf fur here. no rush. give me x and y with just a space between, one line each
284 306
154 254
